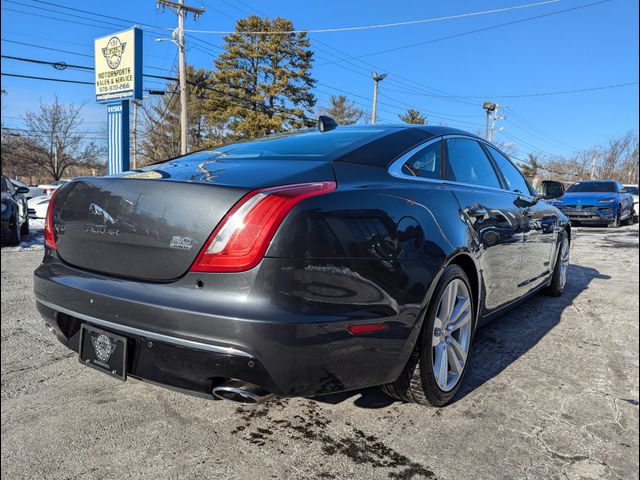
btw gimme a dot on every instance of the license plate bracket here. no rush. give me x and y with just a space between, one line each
104 351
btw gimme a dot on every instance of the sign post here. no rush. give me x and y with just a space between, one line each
118 78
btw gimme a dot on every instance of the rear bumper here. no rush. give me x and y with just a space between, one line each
192 338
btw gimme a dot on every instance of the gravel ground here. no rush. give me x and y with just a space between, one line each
552 393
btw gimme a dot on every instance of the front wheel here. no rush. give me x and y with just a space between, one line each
617 222
560 272
13 237
439 361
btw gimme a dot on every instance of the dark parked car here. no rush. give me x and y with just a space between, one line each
597 202
299 264
15 220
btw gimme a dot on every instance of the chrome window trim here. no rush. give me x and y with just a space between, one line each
183 342
395 169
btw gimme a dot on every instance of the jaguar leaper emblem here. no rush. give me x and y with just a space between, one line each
103 347
113 52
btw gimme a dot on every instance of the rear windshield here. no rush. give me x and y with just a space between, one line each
604 187
303 144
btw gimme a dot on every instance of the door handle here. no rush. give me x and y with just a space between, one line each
478 212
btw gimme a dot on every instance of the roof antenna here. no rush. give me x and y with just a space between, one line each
326 123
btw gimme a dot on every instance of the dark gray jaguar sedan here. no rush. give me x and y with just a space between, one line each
299 264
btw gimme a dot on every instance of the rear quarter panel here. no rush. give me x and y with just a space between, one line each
370 252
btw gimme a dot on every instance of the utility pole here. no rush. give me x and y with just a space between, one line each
376 79
494 118
489 107
594 158
178 38
134 131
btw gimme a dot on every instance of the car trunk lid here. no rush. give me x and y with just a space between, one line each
151 224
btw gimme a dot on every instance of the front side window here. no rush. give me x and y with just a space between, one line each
469 164
425 163
515 180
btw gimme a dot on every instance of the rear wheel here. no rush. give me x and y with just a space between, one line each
439 361
24 229
559 279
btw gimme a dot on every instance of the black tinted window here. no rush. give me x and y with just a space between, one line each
426 163
469 164
600 187
515 180
303 145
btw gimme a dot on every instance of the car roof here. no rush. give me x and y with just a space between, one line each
433 130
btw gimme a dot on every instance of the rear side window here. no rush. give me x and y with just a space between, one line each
515 180
469 164
426 163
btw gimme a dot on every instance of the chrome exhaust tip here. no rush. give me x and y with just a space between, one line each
241 392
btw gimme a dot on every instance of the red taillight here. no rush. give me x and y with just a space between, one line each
241 239
49 237
368 328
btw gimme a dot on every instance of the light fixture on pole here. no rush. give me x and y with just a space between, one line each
376 79
489 107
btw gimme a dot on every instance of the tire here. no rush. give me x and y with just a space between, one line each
417 382
559 278
616 223
24 229
13 238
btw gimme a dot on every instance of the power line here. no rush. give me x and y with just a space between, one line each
378 26
33 77
477 30
561 92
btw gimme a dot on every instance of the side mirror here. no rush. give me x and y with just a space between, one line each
551 189
22 190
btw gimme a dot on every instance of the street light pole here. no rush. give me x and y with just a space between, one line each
376 79
489 107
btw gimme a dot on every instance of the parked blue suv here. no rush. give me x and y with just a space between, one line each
597 202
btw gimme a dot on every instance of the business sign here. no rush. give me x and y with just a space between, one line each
118 66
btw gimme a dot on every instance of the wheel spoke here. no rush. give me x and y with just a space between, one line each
458 350
460 316
456 365
448 301
441 365
462 321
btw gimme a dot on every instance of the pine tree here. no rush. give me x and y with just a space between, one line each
413 117
266 78
343 111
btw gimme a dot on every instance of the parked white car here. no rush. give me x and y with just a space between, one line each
49 188
33 191
37 206
633 190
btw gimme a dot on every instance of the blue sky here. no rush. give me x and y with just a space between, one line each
448 79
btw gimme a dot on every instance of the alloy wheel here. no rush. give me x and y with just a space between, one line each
451 337
564 262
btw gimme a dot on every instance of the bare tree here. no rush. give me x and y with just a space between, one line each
56 140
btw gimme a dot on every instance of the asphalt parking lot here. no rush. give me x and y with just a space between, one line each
552 393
